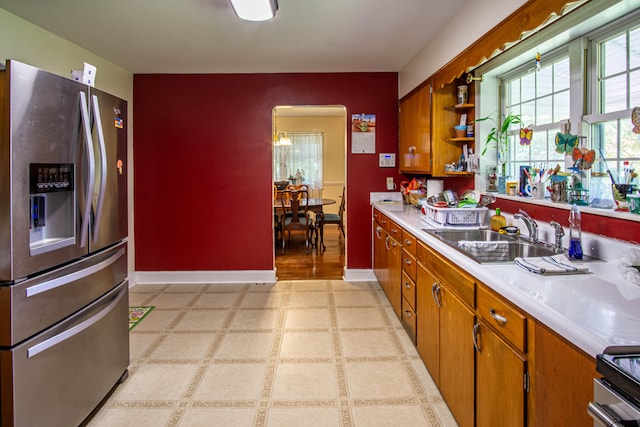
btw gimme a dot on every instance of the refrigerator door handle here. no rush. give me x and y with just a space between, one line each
64 280
86 210
103 166
69 333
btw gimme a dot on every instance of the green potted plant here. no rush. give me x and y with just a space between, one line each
498 136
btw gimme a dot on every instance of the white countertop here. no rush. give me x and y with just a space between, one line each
593 311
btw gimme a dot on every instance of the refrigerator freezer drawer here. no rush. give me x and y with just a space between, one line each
58 377
35 304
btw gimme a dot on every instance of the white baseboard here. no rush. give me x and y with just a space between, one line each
362 275
218 277
199 277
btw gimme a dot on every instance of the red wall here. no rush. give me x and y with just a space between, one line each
616 228
202 158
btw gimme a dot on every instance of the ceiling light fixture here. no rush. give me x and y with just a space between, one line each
255 10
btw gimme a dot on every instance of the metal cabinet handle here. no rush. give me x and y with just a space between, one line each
407 242
86 210
72 277
408 313
407 261
600 415
476 329
393 243
378 231
394 230
435 292
103 166
69 333
386 243
498 318
407 285
383 221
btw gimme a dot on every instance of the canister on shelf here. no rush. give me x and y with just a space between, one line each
462 94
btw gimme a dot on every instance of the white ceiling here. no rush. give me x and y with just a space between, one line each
204 36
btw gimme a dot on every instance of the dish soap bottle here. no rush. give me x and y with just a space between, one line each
575 233
497 221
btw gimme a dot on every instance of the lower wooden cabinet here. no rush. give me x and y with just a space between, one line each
394 270
428 324
493 364
409 319
501 380
445 326
562 381
457 378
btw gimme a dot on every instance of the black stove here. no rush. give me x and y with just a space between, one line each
622 372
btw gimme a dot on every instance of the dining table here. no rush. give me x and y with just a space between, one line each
315 205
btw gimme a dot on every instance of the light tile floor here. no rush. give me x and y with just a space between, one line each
299 353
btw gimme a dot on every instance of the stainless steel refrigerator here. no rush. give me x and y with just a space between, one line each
64 339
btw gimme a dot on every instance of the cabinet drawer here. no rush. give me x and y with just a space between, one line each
506 319
409 242
395 230
383 221
409 320
409 290
456 279
409 264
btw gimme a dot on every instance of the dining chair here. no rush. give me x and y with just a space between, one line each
296 215
277 222
297 187
331 218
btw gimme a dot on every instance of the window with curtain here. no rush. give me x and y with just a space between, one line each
302 160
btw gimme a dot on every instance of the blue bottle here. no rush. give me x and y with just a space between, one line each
575 233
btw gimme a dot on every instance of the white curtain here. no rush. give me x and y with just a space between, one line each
302 160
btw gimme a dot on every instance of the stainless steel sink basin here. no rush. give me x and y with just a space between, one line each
486 246
471 235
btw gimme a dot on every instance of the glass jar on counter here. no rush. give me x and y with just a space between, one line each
600 194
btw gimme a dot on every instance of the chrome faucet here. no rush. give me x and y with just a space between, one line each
559 233
532 226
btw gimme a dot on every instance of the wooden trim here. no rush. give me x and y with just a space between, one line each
531 16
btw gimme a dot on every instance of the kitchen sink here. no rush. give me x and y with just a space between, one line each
486 246
471 235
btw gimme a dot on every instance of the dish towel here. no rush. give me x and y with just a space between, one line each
495 251
557 264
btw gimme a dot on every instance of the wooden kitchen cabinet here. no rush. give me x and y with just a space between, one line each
394 268
500 336
387 260
380 253
445 147
562 381
449 352
414 127
408 284
428 323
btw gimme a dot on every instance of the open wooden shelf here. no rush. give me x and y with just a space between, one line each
459 173
465 139
460 107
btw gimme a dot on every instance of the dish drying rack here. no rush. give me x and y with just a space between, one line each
455 216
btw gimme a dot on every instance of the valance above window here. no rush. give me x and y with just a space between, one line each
529 18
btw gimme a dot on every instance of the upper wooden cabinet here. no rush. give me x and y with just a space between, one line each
427 140
414 126
446 148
